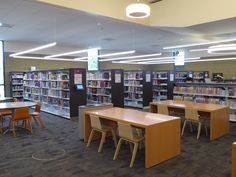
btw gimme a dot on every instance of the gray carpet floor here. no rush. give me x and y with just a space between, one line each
26 155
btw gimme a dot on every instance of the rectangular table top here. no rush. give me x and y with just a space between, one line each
134 117
205 107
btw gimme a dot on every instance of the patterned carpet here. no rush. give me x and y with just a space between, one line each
25 155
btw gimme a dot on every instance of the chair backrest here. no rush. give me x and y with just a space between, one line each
38 107
162 109
95 122
191 114
125 131
21 114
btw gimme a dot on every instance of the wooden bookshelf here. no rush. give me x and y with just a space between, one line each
137 88
105 86
56 90
16 85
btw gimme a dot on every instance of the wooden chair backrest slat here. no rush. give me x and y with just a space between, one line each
95 122
125 131
21 114
191 114
163 109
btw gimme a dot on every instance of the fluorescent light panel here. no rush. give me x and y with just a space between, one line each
70 53
106 55
132 57
42 58
198 44
33 49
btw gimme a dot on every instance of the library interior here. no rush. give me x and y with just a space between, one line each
133 88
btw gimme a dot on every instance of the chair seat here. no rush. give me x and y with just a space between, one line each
6 112
34 113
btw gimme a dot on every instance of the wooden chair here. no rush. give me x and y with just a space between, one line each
36 115
191 115
126 134
162 109
97 126
20 114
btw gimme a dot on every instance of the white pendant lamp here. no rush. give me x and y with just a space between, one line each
138 10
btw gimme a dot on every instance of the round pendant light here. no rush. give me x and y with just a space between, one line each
137 10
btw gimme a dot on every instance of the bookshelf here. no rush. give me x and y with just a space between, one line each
216 93
16 85
137 88
160 82
105 86
194 76
56 90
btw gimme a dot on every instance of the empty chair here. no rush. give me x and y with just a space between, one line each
162 109
36 115
191 116
20 114
99 127
126 134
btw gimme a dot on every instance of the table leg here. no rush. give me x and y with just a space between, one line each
162 142
219 123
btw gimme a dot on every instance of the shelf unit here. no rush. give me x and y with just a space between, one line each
16 85
56 90
137 88
216 93
196 76
105 86
160 83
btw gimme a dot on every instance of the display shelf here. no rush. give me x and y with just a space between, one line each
216 93
105 86
56 89
16 85
159 82
191 76
137 88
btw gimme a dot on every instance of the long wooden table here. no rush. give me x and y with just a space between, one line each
162 133
218 114
233 168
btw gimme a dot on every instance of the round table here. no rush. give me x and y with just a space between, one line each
15 105
5 99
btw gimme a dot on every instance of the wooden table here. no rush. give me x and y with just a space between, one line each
233 168
218 114
162 133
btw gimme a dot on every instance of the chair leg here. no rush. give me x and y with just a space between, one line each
114 136
185 121
30 126
13 129
134 154
102 141
90 137
35 120
131 147
199 129
206 129
191 126
118 149
40 121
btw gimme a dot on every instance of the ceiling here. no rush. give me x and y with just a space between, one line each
29 23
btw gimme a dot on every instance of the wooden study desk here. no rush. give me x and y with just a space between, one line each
218 114
162 133
233 168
